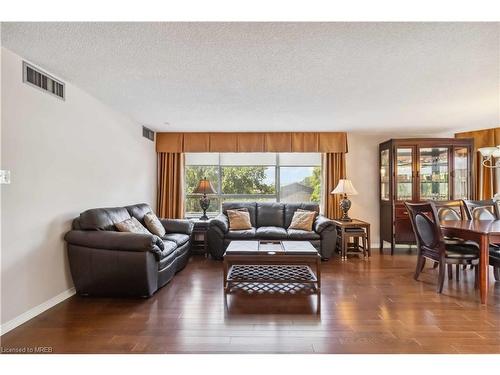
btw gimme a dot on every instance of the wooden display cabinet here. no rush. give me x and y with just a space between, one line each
416 170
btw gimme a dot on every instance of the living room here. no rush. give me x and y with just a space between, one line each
250 187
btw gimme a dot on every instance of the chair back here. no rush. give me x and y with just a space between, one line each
425 223
482 210
451 210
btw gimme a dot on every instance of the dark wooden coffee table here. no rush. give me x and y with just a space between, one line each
272 266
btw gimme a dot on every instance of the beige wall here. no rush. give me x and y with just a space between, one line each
64 157
362 169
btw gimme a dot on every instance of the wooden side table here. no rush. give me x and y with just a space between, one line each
199 241
345 231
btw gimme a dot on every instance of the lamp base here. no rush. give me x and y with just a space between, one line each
345 205
345 219
204 204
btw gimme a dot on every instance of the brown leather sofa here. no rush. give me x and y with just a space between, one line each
270 221
105 262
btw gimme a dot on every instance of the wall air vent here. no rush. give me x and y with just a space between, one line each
39 79
148 133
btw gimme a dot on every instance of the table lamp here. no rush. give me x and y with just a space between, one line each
204 187
345 187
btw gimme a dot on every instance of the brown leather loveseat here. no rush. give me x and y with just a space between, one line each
105 262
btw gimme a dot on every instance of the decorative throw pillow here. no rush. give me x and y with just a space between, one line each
154 225
131 225
303 220
315 212
239 219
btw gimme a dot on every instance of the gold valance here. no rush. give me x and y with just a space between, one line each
252 142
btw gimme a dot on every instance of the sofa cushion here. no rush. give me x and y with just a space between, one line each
290 209
239 220
241 234
102 218
154 225
271 233
139 211
169 248
270 214
303 220
182 251
179 238
168 255
305 235
250 206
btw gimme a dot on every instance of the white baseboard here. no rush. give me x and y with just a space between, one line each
37 310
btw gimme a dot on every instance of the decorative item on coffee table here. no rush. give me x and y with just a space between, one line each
345 187
204 187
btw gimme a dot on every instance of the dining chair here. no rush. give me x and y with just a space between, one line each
488 209
453 210
431 245
482 210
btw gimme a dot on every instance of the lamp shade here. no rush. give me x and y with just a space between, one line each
204 187
344 187
488 151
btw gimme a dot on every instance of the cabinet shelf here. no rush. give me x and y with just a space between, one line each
440 164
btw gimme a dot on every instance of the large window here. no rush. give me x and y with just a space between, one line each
272 177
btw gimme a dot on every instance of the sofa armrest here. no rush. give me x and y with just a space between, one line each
177 226
115 240
221 221
321 223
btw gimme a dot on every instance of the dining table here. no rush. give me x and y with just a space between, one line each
483 232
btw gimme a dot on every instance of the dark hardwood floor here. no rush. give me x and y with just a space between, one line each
371 306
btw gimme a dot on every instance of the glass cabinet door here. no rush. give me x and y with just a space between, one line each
404 174
461 173
384 175
434 172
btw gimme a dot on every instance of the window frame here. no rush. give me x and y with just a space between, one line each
221 196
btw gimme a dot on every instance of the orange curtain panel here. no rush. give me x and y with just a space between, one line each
484 178
333 166
170 191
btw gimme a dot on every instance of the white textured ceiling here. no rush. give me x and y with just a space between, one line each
414 77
